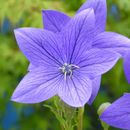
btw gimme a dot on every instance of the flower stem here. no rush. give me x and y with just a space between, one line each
62 128
80 118
106 128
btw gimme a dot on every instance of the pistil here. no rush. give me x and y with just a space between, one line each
67 70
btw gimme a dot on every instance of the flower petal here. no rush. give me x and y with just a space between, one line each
118 114
100 10
37 86
96 62
117 43
112 41
76 91
54 20
78 34
95 88
40 47
127 67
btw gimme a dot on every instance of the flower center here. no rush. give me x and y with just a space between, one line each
67 69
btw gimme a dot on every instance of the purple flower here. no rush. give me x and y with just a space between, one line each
55 21
64 59
118 114
64 63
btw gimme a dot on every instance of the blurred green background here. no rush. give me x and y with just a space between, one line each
13 64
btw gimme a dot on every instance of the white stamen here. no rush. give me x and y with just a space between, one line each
75 66
67 69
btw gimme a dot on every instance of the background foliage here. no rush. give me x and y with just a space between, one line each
13 64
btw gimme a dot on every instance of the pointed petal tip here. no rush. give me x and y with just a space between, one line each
88 9
16 30
43 12
23 100
100 11
87 12
54 20
11 98
18 100
14 99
